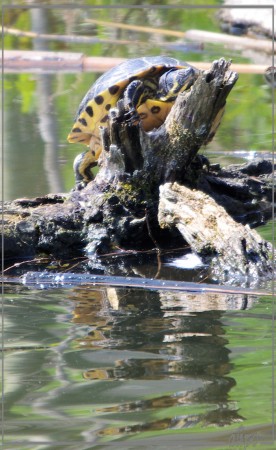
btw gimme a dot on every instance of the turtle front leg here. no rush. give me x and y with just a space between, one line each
83 164
133 96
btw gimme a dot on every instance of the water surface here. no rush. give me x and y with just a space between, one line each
89 367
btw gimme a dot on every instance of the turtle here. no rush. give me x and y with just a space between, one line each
148 86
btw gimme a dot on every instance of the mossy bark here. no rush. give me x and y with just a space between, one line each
119 209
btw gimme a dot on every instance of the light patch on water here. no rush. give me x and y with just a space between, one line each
189 261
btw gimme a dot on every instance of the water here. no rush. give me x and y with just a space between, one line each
87 367
92 367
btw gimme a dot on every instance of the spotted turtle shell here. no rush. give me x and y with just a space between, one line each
105 92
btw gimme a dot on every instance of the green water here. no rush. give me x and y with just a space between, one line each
127 368
87 367
39 107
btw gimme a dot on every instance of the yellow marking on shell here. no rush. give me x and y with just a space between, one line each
88 125
152 120
86 129
83 136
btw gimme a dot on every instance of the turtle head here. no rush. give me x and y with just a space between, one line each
174 81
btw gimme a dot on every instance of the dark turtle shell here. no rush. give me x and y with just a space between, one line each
105 92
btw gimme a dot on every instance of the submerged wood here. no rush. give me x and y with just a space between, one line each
119 209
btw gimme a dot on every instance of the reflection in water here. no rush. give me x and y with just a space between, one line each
46 112
48 132
30 128
166 336
132 361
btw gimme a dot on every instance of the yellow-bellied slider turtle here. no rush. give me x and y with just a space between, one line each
148 85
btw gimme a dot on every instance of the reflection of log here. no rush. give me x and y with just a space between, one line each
205 302
120 207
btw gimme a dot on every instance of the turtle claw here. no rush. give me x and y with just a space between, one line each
127 114
139 88
132 117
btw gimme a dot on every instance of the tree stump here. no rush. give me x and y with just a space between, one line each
138 173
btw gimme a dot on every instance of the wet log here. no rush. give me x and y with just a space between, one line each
119 208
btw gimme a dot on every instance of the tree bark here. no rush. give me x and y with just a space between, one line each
140 171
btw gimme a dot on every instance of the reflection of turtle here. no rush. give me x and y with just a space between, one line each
147 85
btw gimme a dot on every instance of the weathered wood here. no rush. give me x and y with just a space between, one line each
120 207
203 36
244 190
27 60
229 247
231 41
58 226
192 122
243 17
